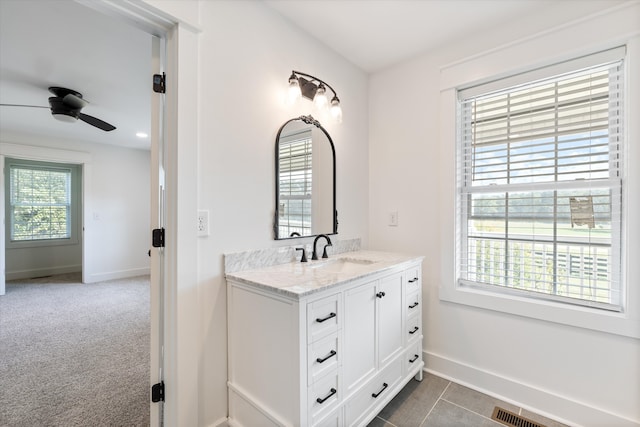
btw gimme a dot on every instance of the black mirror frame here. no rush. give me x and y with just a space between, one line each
311 121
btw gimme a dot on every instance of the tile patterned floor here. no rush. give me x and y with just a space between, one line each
436 402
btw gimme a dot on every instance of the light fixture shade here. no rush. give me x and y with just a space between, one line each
294 89
320 99
336 110
64 116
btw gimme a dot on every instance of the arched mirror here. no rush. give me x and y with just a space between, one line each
305 180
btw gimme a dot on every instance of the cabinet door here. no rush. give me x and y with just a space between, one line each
390 314
359 361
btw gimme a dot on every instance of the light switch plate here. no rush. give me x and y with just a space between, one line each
393 219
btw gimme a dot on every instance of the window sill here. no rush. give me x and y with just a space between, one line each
549 311
40 243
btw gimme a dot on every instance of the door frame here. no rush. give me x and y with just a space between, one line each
180 302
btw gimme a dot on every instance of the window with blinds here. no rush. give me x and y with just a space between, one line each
539 178
39 202
295 170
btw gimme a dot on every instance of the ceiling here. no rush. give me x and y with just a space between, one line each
70 45
109 62
376 34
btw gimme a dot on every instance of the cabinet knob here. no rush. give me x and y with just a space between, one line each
415 279
414 305
414 358
380 294
414 330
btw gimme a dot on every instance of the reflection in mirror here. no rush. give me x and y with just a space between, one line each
305 180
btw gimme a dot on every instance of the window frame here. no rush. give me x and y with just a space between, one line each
74 209
509 61
471 275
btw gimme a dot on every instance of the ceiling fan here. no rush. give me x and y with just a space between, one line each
66 106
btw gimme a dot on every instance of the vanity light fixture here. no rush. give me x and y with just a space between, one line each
315 90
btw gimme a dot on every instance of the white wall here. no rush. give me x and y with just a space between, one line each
580 375
116 224
247 53
117 227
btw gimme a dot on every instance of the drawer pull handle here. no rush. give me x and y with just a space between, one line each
414 305
331 393
380 294
414 330
330 316
329 356
375 395
415 279
414 358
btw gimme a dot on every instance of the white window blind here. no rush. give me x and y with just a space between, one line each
40 203
539 179
295 180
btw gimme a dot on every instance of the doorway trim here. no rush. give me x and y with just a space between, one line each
180 336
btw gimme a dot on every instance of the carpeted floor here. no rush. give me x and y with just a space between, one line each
74 354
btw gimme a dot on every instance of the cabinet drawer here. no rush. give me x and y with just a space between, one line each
334 419
375 391
323 317
414 328
412 277
414 303
324 356
413 357
324 396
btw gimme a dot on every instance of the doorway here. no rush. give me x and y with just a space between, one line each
91 244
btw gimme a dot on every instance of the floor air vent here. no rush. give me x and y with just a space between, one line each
510 419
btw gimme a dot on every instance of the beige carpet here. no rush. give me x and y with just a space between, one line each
74 354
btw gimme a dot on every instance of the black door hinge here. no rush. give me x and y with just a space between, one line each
157 392
159 83
157 238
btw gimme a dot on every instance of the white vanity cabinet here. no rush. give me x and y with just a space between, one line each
332 357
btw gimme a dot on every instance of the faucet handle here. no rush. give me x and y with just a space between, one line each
304 254
324 252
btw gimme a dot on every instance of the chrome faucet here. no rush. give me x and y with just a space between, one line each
314 256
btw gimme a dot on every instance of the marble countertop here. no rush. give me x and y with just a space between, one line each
298 279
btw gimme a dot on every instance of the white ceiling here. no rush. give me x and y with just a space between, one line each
63 43
375 34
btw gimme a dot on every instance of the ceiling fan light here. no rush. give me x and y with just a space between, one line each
64 116
320 99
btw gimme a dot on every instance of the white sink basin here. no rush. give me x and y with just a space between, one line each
344 265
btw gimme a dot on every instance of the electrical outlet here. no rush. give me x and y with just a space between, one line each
203 223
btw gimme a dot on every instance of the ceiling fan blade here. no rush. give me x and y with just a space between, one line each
21 105
96 122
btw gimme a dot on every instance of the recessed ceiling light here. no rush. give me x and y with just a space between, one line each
141 135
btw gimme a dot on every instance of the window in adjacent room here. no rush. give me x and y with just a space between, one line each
41 202
540 166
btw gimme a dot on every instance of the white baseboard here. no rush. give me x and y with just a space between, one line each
42 272
527 396
121 274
